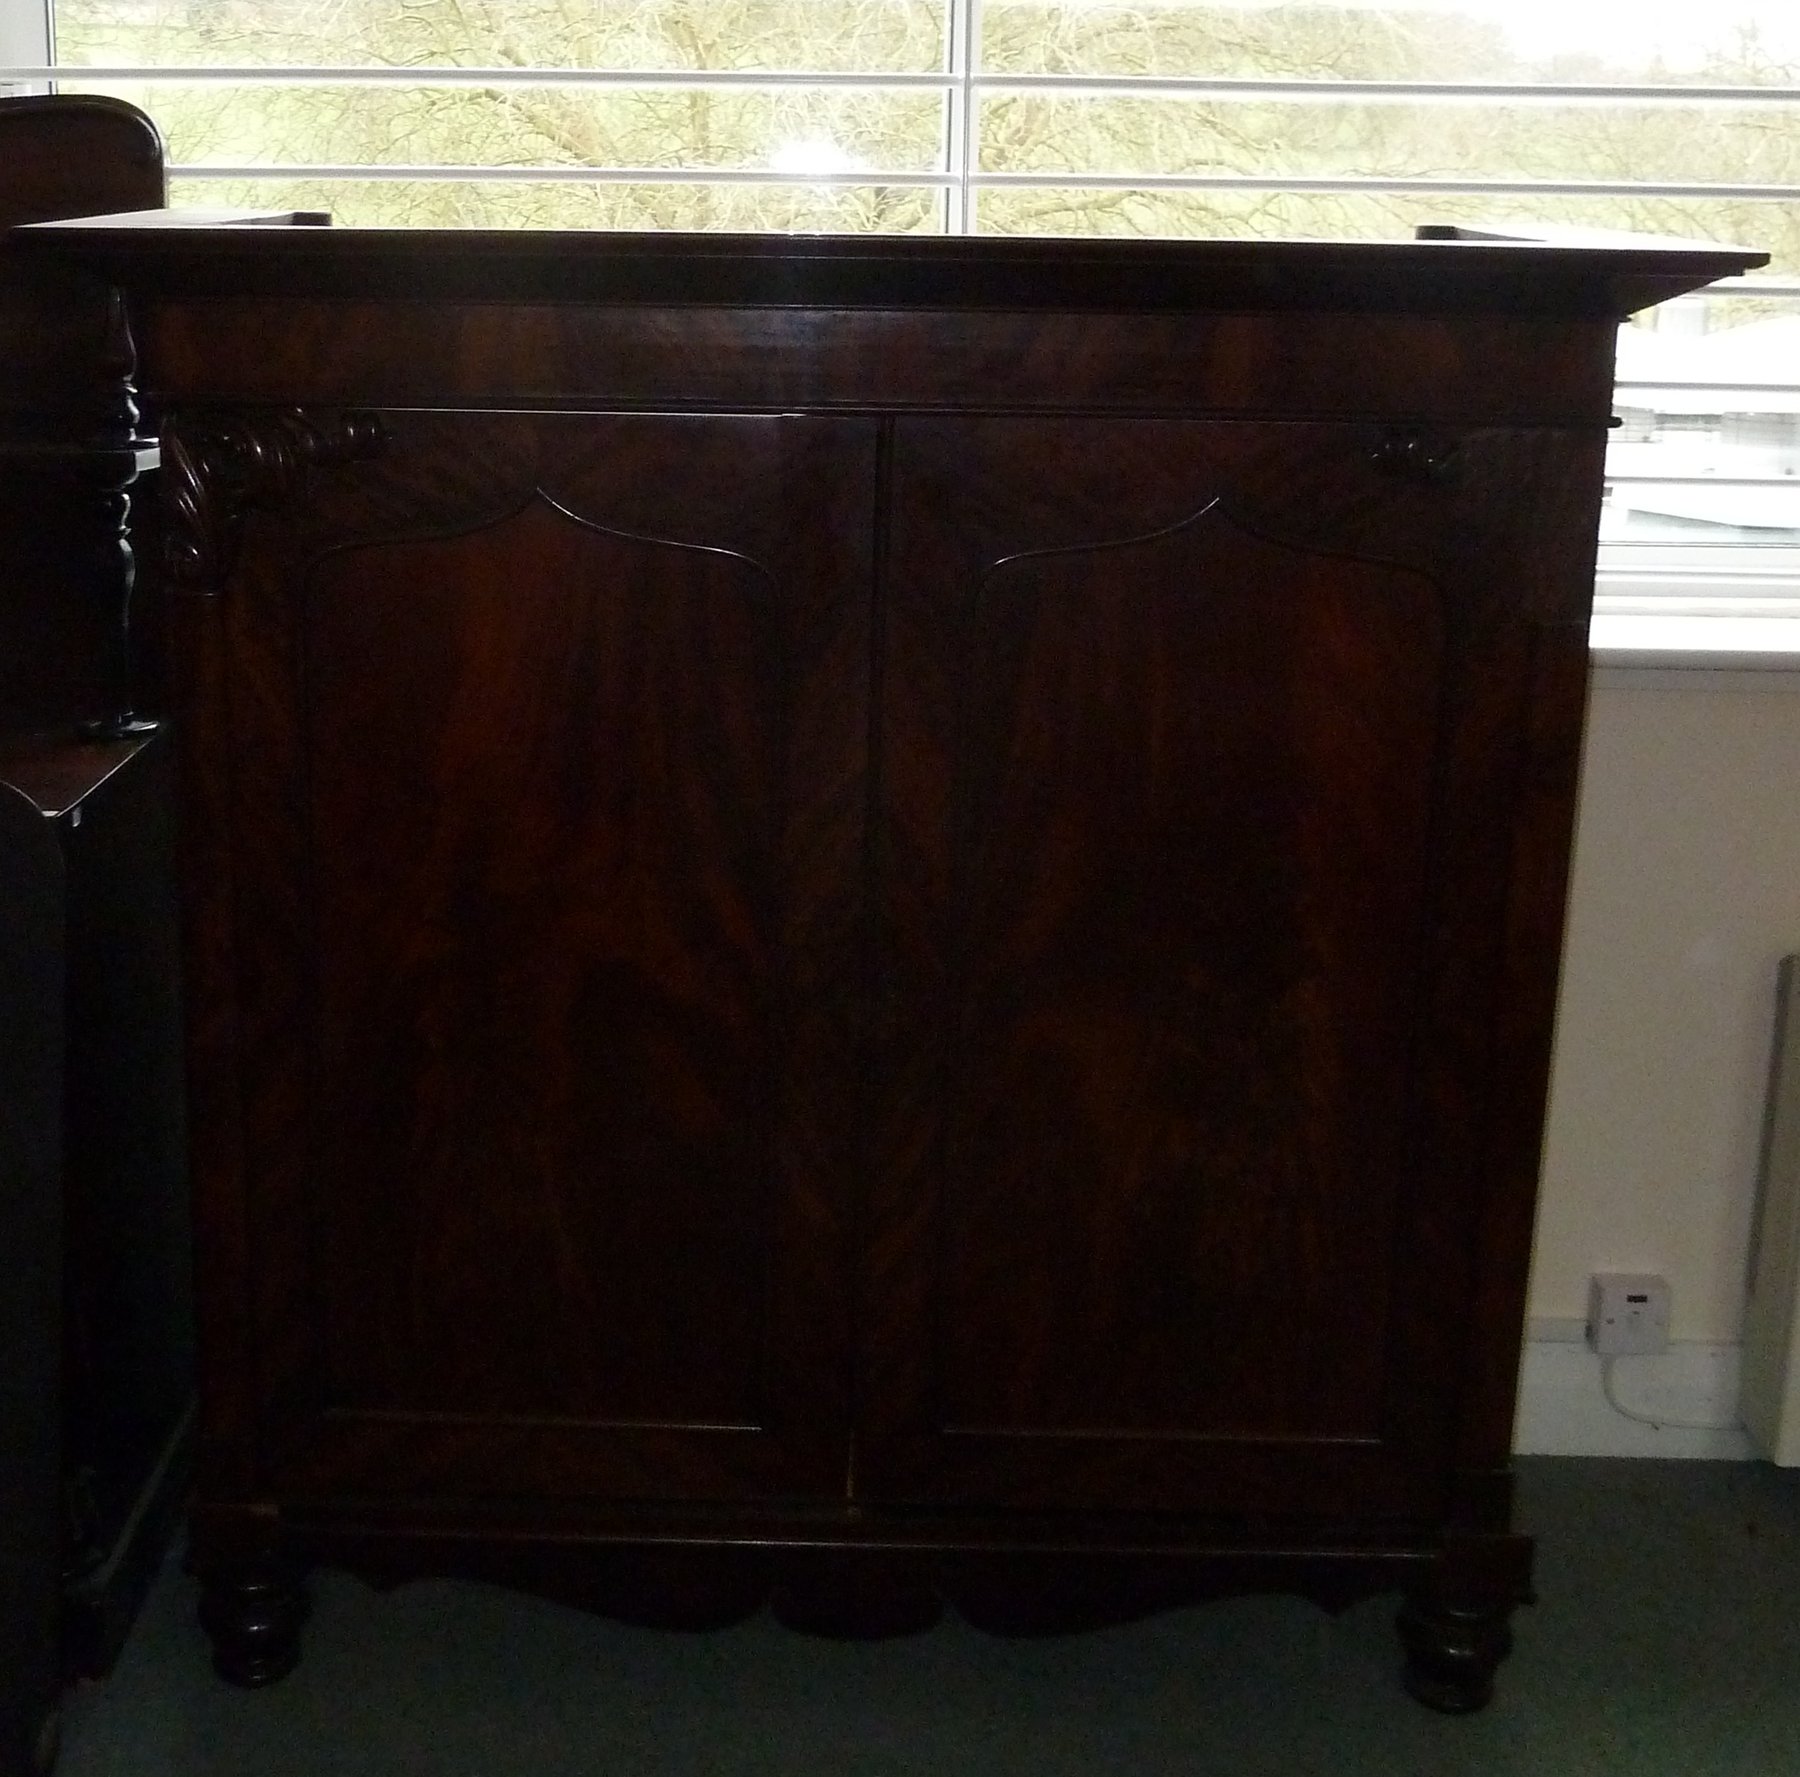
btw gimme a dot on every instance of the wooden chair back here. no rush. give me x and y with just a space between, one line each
77 155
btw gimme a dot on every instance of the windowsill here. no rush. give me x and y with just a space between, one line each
1696 644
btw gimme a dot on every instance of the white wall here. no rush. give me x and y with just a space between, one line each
1686 893
24 39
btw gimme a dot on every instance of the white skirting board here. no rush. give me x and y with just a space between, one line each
1563 1409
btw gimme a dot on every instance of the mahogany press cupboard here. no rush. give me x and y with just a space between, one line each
873 921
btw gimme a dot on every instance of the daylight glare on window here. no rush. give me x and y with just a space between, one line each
1072 117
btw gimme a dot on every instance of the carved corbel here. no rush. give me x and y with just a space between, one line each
218 467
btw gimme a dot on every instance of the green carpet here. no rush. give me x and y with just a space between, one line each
1666 1641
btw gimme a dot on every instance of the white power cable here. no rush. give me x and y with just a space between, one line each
1661 1421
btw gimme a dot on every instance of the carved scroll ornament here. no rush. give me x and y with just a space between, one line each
217 467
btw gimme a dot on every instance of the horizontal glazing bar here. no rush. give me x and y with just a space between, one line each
1139 86
573 174
1739 388
1698 601
1647 478
1154 86
647 80
1352 183
1753 579
1695 592
1750 569
1725 559
996 181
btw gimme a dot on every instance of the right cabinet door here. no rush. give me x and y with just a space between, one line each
1197 751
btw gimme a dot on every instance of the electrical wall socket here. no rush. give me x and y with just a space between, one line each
1628 1313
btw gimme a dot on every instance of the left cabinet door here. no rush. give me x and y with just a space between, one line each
525 804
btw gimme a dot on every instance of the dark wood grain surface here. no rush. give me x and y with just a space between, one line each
1164 902
1178 720
1481 370
1465 275
546 816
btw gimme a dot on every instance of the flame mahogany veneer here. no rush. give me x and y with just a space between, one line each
873 922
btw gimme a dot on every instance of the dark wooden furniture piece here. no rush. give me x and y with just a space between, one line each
78 155
70 446
31 1010
874 921
96 1338
125 1388
96 1314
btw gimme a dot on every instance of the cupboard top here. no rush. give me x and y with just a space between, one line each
1452 271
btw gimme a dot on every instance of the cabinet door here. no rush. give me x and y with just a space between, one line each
529 798
1200 750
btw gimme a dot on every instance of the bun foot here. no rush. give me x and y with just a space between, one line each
1456 1624
253 1619
1452 1655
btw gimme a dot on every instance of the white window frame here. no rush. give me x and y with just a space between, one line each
1730 600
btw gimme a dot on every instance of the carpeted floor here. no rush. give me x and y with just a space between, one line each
1666 1644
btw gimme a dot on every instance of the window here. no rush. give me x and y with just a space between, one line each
1152 117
